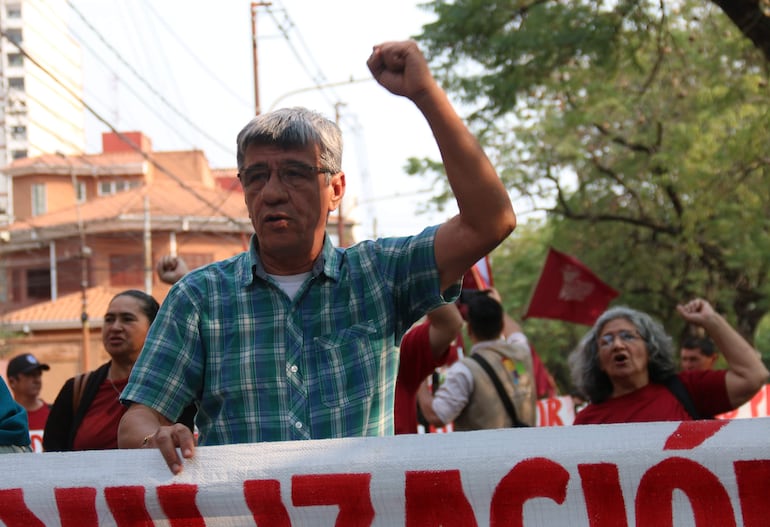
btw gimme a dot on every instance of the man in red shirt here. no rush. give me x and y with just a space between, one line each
698 353
423 348
25 379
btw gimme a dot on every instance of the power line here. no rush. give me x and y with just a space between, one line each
147 84
285 27
122 137
216 78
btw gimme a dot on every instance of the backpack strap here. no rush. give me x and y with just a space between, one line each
500 390
79 383
677 387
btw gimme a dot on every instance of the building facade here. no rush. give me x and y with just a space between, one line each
95 225
41 86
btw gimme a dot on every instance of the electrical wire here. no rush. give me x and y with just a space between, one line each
149 86
216 78
123 138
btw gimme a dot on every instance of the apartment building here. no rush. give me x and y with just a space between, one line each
41 79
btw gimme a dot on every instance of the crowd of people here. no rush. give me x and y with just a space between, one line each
297 339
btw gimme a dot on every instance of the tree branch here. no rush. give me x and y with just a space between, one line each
747 15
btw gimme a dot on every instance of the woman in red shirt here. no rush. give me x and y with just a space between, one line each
87 411
626 367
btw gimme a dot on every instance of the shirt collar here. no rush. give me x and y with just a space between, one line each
328 262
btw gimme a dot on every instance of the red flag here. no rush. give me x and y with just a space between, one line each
568 290
479 276
545 385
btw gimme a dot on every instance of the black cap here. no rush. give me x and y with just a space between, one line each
24 363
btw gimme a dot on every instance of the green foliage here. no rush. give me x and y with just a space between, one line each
642 126
516 266
762 340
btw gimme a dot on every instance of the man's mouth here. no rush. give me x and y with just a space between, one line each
275 218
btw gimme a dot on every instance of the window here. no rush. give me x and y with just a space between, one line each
19 154
126 270
14 34
13 11
39 205
19 132
39 284
80 192
70 273
16 83
15 59
107 188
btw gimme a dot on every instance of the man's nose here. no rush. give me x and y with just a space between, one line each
274 187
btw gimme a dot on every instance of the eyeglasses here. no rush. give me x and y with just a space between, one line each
606 340
292 175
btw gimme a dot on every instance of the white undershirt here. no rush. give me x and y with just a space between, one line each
291 283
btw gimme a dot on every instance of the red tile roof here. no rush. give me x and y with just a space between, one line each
83 164
166 199
62 313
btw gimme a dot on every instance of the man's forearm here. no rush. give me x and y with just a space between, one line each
481 197
486 215
425 400
138 424
746 371
445 323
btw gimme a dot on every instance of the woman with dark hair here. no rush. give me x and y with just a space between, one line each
87 411
626 367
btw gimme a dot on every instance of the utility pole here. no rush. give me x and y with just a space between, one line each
148 267
254 6
85 254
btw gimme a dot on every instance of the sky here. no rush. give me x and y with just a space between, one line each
182 73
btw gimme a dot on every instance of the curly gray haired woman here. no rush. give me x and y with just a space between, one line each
625 366
588 376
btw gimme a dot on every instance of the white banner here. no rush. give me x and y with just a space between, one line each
653 474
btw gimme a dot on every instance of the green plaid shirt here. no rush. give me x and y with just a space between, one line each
264 367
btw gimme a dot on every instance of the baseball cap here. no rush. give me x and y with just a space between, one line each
24 363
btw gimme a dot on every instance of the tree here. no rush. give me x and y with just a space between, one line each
752 17
517 264
642 125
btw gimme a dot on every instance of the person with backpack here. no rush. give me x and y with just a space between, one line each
626 366
494 387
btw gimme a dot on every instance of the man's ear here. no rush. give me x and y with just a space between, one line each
336 190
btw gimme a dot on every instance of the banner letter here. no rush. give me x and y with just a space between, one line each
349 491
531 478
77 506
263 497
436 498
708 497
604 498
754 491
